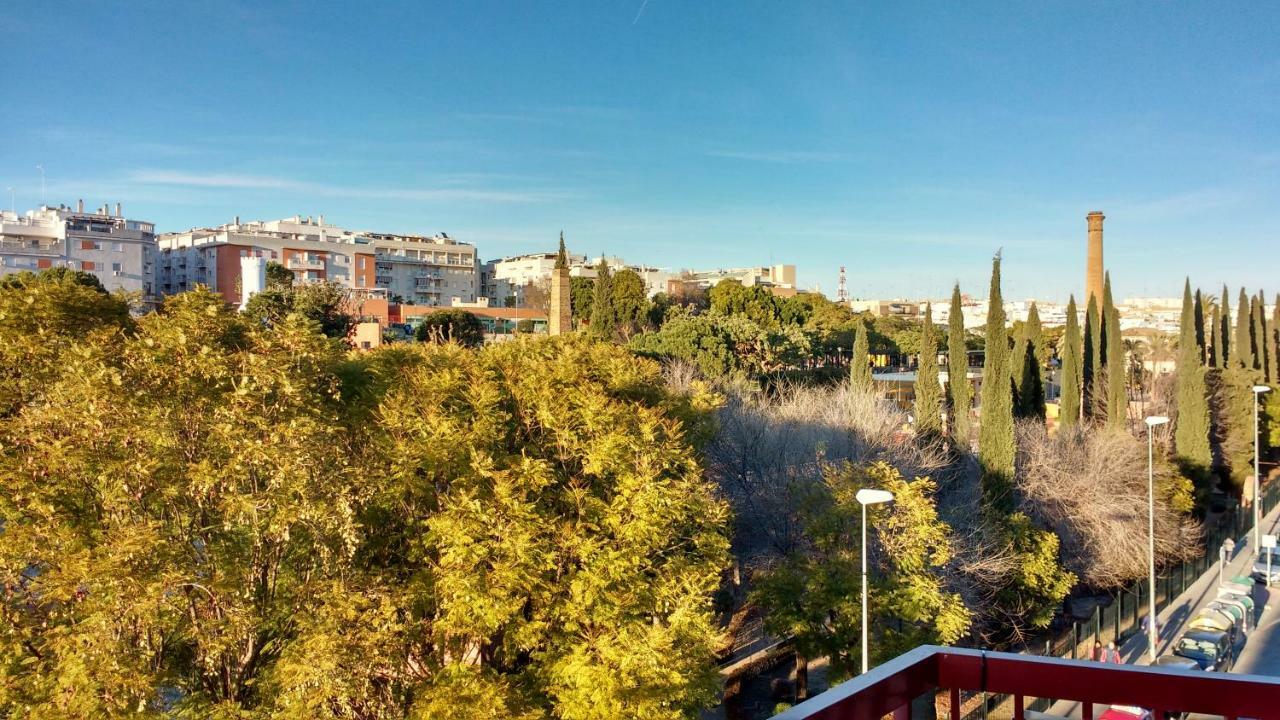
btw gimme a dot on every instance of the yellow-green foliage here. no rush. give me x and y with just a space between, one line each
813 596
215 519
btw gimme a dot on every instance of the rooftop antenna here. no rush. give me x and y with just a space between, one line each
41 169
842 290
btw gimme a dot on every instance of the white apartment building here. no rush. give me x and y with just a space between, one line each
121 253
776 276
414 269
504 281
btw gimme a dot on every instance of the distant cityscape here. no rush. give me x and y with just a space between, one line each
427 271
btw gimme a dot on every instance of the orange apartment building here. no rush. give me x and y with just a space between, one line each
422 270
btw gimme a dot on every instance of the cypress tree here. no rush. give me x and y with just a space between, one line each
1030 381
1199 318
1273 335
958 374
1191 426
1224 332
562 257
1117 392
995 432
1215 345
1069 403
1260 359
1242 343
928 389
604 320
1092 360
860 365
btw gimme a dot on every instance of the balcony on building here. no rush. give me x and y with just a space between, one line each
299 263
955 683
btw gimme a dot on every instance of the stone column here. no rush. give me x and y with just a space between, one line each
561 313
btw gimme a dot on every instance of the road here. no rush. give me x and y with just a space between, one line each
1260 653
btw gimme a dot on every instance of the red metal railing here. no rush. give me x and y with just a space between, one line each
890 688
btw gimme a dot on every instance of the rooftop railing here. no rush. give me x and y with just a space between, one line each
923 674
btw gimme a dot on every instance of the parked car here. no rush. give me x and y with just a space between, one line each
1125 712
1245 599
1210 649
1176 662
1260 565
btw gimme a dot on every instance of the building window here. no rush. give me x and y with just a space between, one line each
360 263
244 252
115 267
87 265
117 246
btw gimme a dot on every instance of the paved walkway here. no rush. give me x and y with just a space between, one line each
1260 653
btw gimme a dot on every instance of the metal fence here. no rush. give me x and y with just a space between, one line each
1123 617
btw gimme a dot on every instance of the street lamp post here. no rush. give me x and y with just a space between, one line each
865 497
1152 422
1257 480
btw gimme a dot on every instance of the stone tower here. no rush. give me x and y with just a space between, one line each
1093 274
560 312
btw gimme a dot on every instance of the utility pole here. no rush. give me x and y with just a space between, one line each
842 290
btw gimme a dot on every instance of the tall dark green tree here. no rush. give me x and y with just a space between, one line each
1260 359
1273 336
1069 404
1092 360
928 389
1199 318
1242 343
1216 349
604 321
562 257
995 433
1191 424
1228 349
961 391
860 364
1117 390
1030 381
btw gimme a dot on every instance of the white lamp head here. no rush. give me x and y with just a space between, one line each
1155 420
867 496
1261 388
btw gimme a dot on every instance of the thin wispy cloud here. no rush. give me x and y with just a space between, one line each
782 156
1182 204
419 194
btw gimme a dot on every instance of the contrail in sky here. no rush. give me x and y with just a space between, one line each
640 12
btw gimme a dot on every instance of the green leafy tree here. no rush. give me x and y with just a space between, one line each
1117 391
1092 361
723 346
928 389
630 302
860 362
730 297
1069 405
1191 423
324 303
562 256
1038 583
604 320
279 277
582 295
813 597
961 392
43 316
1029 359
452 325
995 431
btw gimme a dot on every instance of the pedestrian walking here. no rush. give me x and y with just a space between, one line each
1098 655
1113 655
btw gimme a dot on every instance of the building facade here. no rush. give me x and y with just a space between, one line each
423 270
121 253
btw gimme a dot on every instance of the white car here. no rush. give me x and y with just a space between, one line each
1260 565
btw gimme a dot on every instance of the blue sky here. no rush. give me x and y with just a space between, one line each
906 141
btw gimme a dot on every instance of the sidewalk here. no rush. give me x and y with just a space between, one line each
1204 590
